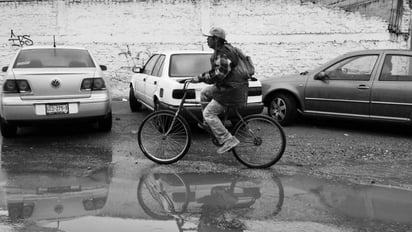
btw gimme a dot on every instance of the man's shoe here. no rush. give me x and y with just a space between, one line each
228 145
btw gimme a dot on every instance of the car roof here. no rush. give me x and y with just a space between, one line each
366 51
50 46
171 52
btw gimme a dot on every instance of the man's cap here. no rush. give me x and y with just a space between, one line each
216 31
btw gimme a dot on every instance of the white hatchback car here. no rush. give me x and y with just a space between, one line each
156 84
52 84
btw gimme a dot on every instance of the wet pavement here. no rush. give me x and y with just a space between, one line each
125 196
76 179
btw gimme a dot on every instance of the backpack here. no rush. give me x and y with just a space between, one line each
244 66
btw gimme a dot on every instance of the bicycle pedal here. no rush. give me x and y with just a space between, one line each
216 143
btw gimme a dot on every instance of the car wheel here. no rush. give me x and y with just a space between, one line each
282 108
105 124
134 104
8 130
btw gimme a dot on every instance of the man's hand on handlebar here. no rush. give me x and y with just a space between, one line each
195 79
191 80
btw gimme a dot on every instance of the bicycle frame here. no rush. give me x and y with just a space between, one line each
181 108
254 132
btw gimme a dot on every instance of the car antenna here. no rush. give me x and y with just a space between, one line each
54 41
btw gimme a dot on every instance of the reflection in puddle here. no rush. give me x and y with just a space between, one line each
368 202
210 201
43 198
359 206
42 184
168 199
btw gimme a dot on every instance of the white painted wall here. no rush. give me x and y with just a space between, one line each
282 36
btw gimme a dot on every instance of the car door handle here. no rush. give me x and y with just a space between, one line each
363 87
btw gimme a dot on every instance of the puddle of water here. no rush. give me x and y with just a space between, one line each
163 199
356 205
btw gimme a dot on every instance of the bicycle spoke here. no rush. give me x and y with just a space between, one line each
165 196
160 140
262 142
150 199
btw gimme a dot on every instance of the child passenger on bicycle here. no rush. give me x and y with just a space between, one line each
229 88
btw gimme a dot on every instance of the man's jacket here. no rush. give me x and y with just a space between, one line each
232 86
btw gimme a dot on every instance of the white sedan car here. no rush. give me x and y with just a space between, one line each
52 84
156 84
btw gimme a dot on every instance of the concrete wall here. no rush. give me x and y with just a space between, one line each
282 36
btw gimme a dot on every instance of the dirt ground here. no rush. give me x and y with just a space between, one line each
360 152
356 151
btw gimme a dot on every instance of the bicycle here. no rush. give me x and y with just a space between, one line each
165 136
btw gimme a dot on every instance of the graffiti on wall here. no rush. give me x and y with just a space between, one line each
135 60
20 40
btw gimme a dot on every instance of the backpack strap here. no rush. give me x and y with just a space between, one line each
231 53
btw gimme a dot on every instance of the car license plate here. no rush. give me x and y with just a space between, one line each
59 189
57 109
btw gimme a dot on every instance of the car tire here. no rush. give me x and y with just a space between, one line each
134 104
8 130
105 124
282 108
156 105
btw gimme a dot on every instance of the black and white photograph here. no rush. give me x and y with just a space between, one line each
206 115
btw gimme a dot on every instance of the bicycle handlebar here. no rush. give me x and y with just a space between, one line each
185 80
185 83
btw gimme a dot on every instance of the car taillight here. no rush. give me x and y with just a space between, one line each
16 86
93 84
94 203
178 94
254 91
20 210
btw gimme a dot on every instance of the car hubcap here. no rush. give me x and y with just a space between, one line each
278 109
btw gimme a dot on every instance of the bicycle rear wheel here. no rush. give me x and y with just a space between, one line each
262 141
162 142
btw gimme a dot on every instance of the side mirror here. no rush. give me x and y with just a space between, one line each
137 69
103 67
4 69
321 76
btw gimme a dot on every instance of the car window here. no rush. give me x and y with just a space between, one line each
396 68
157 70
186 65
53 58
148 68
358 68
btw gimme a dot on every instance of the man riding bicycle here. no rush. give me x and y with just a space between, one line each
229 87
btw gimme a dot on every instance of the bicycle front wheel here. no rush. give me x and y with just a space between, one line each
262 141
163 195
163 140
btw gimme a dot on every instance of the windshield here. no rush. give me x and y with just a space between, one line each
53 58
186 65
